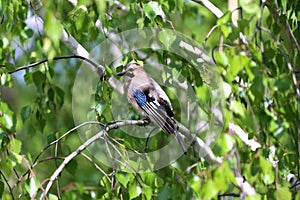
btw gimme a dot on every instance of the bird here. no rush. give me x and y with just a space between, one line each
149 99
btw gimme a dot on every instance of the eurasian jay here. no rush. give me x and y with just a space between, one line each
149 99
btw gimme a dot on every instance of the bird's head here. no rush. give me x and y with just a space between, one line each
130 70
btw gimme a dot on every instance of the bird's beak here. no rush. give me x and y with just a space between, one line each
121 73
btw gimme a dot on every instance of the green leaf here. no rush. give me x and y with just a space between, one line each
284 193
124 178
14 159
251 7
134 190
225 19
38 78
167 37
158 182
267 176
238 108
140 23
28 78
15 146
258 87
224 144
51 94
147 191
221 59
152 9
283 84
209 190
237 63
25 113
7 117
225 24
6 80
195 183
253 197
29 32
8 121
53 197
100 107
165 193
33 186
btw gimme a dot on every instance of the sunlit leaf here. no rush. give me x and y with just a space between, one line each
32 187
147 190
124 178
167 37
134 190
153 9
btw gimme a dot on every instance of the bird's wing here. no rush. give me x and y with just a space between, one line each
157 109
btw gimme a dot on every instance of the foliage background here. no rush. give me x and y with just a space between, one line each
258 61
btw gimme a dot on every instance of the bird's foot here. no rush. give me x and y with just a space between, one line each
146 121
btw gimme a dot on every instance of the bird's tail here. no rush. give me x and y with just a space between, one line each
163 120
170 126
179 140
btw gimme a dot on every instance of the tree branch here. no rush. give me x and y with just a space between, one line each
237 130
69 40
36 162
211 7
55 58
99 135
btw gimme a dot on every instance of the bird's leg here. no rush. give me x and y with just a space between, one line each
146 120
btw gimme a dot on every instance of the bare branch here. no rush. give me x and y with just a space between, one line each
68 159
244 185
211 7
36 162
235 129
99 135
55 58
218 13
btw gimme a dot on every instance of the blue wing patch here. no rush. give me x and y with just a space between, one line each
140 97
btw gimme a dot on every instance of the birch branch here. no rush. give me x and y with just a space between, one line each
99 135
237 130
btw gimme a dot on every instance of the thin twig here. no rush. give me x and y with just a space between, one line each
82 147
55 58
35 162
97 166
68 159
6 181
